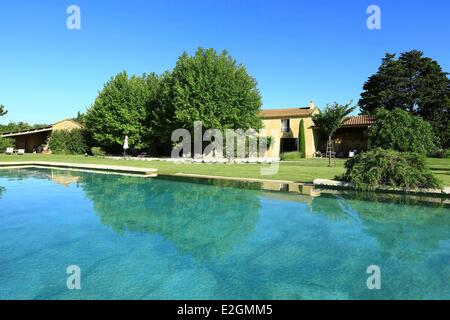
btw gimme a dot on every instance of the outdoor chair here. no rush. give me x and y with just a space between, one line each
9 150
352 153
21 151
318 154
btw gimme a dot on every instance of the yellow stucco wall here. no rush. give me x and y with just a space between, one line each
273 128
66 125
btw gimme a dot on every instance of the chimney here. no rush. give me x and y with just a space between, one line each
311 105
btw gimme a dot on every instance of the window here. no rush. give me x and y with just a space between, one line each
285 127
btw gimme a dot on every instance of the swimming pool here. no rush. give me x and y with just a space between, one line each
154 238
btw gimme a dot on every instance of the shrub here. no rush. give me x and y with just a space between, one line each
439 153
6 143
294 155
97 152
69 141
401 131
376 168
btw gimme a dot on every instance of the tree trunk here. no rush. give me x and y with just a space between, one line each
330 150
329 154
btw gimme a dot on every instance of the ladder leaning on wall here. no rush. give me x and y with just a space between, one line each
330 154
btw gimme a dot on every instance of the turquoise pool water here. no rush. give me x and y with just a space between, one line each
138 238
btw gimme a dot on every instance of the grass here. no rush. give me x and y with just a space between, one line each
303 170
441 169
294 155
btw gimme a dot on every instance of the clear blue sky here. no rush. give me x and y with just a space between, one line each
297 50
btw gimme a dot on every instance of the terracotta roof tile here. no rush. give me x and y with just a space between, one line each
361 120
285 113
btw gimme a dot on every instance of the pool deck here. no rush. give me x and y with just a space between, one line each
150 172
147 172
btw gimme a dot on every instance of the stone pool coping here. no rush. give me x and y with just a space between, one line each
333 184
205 176
147 172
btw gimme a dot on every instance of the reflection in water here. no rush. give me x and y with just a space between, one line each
21 174
63 177
200 220
400 224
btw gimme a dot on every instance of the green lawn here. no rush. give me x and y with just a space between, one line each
305 170
441 169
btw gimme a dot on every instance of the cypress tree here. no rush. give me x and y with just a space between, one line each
301 139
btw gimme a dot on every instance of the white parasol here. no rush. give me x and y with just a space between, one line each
125 144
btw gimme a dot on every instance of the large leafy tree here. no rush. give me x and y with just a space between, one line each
413 83
330 120
399 130
122 108
210 87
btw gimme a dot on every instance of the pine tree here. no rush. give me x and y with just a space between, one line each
413 83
